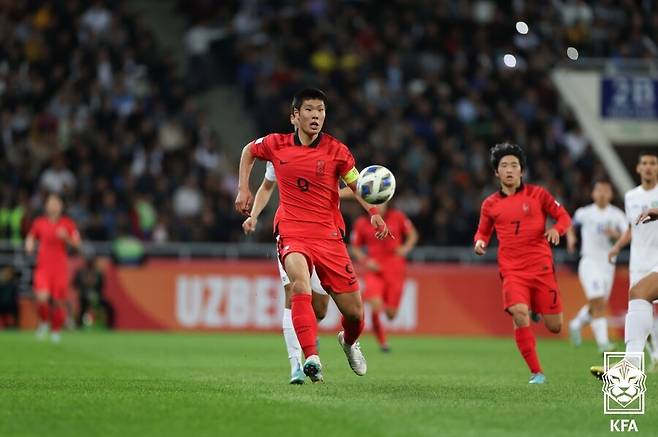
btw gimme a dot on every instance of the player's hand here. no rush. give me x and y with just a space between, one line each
244 201
647 216
612 255
480 248
381 230
249 225
553 236
371 265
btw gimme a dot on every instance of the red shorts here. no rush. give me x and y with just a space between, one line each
386 284
540 292
51 281
329 258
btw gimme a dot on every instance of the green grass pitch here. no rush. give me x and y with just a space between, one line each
163 384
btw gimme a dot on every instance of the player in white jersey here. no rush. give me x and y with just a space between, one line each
643 236
600 225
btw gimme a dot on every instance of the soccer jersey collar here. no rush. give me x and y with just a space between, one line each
315 142
521 187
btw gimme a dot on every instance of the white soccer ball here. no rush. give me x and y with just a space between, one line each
376 184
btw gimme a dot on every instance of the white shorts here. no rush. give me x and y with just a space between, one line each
596 277
316 287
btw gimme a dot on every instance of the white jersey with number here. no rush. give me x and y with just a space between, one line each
593 222
644 243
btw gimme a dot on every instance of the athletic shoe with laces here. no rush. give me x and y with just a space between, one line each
313 369
297 375
354 355
537 378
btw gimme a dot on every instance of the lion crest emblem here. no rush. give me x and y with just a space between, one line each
624 382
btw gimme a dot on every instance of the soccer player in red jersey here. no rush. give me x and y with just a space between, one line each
308 165
385 264
518 213
55 232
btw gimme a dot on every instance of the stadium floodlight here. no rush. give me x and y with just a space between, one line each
509 60
572 53
521 27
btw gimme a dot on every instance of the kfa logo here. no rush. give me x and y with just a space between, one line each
624 386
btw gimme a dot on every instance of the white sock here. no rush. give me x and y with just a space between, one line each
583 318
600 330
292 344
639 321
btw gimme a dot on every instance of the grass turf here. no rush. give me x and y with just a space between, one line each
148 384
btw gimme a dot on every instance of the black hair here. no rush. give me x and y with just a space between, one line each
499 151
601 181
647 152
307 94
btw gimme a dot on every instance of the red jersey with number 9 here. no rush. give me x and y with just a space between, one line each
308 183
520 223
52 249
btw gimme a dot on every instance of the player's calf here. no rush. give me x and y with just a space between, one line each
553 322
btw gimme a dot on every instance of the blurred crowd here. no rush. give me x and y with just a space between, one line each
92 108
421 87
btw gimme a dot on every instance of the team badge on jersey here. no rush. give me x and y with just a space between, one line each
526 208
319 168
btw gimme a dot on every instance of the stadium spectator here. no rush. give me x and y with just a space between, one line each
8 298
89 282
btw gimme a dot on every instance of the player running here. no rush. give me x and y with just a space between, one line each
54 232
308 165
517 212
600 223
385 264
642 233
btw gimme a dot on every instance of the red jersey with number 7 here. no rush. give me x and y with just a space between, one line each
308 182
520 223
52 249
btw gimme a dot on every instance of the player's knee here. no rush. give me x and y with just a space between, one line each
301 287
42 297
555 327
639 291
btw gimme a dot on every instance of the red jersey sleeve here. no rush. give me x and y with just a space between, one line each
485 227
407 226
261 148
34 229
553 208
346 165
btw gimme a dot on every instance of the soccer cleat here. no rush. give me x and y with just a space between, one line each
576 337
354 355
537 378
42 331
597 372
297 377
56 337
608 347
385 348
313 369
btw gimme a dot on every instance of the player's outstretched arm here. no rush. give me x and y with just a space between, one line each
626 238
484 231
244 199
261 200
